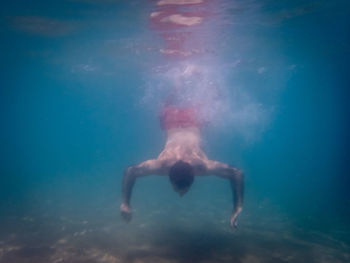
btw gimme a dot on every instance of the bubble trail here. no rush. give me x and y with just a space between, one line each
185 28
193 71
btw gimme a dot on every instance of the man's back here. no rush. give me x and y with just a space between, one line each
183 144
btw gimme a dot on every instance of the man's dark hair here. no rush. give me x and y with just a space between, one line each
181 174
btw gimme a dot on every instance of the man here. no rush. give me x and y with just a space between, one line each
182 159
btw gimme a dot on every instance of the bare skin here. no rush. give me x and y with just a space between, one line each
183 144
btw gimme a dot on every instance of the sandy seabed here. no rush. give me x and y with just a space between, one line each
158 236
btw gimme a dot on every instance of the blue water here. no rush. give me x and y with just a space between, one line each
80 94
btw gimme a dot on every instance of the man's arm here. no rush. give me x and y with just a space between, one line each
131 173
237 185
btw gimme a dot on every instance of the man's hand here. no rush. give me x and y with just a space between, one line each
233 221
125 212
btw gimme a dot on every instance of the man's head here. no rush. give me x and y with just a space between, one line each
181 176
